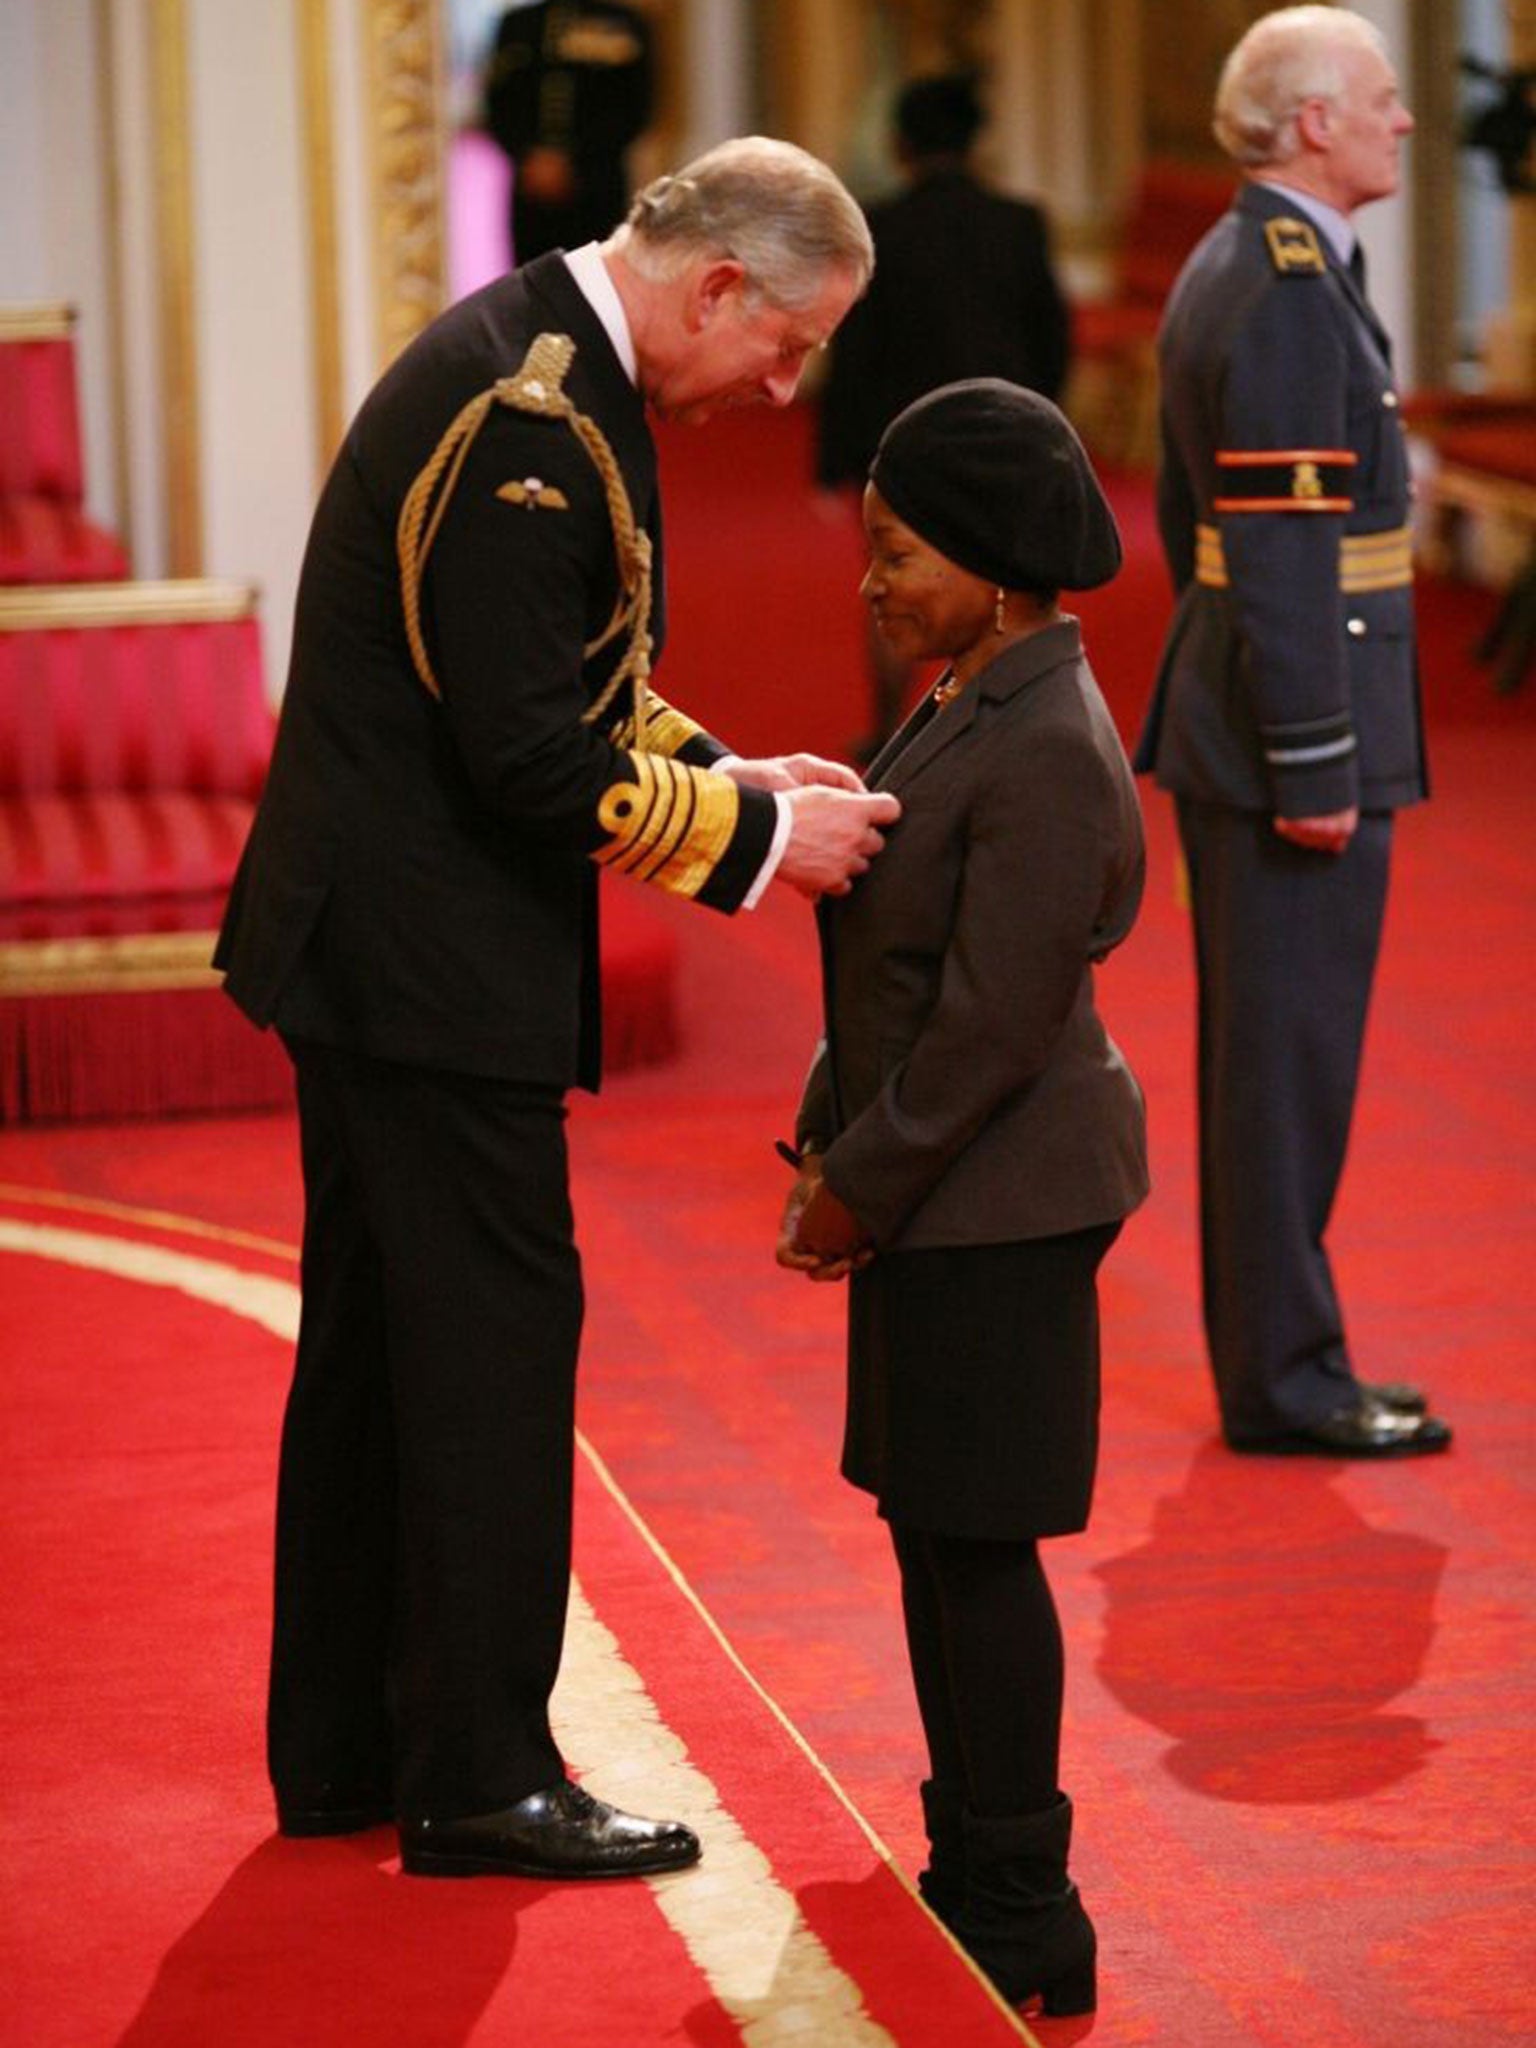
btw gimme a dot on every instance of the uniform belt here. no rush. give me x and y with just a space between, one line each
1367 561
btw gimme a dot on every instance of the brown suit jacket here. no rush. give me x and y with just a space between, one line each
966 1091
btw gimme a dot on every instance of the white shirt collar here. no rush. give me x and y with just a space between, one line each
1335 225
590 274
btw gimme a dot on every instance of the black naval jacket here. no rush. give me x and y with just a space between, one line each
419 884
1289 682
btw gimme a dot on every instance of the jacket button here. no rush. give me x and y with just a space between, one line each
1357 627
1389 398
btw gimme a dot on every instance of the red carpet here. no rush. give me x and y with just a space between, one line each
1299 1694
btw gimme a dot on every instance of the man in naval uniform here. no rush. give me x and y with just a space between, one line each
1286 717
468 731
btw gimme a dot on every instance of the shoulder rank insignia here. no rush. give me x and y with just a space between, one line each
1294 249
535 495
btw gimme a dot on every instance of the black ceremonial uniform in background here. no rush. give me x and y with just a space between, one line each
573 76
963 287
1288 686
416 912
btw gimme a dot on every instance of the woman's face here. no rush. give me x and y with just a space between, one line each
925 605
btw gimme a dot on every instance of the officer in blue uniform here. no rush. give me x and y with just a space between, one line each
1286 719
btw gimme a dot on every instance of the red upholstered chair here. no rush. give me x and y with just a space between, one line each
45 536
1114 339
1482 473
134 735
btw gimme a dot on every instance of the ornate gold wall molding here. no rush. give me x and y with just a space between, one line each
403 83
175 265
315 99
116 297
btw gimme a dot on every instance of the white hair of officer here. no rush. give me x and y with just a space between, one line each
777 210
1285 59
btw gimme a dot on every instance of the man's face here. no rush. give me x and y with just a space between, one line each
1365 127
743 350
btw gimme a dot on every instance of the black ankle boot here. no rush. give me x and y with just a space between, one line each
1021 1917
942 1884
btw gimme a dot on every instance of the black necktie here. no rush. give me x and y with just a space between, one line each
1356 267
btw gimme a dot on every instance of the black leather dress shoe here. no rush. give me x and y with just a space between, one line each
560 1832
1395 1394
332 1810
1364 1429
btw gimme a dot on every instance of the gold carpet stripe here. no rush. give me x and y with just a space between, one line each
741 1927
155 1219
273 1304
766 1967
728 1650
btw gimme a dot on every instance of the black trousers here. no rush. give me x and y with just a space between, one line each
1286 942
424 1494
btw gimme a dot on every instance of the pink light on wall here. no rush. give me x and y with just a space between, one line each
479 190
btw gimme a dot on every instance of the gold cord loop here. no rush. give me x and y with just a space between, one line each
538 388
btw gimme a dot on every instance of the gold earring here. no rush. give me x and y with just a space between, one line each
998 625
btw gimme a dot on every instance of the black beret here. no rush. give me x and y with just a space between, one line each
994 477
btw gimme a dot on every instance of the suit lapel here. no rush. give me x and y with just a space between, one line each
921 739
925 735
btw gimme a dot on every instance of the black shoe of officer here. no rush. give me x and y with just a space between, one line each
1363 1428
560 1832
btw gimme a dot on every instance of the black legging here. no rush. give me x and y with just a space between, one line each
985 1643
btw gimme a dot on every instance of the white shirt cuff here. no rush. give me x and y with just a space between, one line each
775 853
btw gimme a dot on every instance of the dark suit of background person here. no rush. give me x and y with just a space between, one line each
1288 690
963 287
416 912
971 1112
572 82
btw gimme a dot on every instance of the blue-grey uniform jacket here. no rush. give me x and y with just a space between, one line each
1289 681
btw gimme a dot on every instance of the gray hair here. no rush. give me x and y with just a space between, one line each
1285 59
776 209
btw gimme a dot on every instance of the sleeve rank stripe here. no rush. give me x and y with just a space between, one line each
1242 458
1376 561
671 825
1301 742
1282 504
654 822
673 829
666 731
1304 757
1367 561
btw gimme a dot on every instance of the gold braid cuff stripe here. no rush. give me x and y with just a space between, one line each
536 388
671 825
667 731
1367 561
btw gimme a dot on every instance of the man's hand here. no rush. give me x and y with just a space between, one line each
834 835
1330 834
793 771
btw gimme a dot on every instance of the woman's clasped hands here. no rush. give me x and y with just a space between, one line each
819 1235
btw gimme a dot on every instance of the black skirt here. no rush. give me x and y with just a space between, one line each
973 1385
